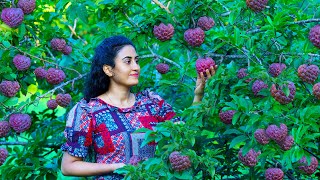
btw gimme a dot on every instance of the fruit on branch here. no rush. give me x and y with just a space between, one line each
314 35
40 72
66 50
52 104
242 73
9 88
20 122
286 144
250 159
205 23
4 128
163 32
63 100
55 76
277 133
274 174
27 6
58 44
202 64
226 117
194 37
316 90
3 155
21 62
134 160
257 86
308 73
257 5
12 17
162 68
276 68
280 96
261 136
179 162
308 169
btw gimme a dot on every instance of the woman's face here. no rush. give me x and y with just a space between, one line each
127 70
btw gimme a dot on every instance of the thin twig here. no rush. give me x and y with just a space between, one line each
162 6
305 21
74 33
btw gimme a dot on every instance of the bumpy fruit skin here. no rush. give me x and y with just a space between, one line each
52 104
40 72
27 6
242 73
277 133
226 117
316 90
257 5
134 160
194 37
314 35
63 100
67 50
202 64
12 17
4 128
58 44
280 96
286 144
3 155
20 122
261 136
250 159
205 23
308 73
9 88
308 169
162 68
179 162
55 76
274 174
163 32
257 86
275 69
21 62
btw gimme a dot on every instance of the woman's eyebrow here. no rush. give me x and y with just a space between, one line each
129 57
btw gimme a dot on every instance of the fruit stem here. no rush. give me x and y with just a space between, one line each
13 4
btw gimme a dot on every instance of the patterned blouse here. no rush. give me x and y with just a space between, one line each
107 130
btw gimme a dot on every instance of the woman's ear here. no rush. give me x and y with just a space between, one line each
107 70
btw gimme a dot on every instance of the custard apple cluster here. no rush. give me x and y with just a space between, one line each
20 122
250 159
257 5
242 72
63 100
202 64
179 162
134 160
257 86
27 6
60 44
226 117
3 155
314 35
277 133
261 136
308 169
12 17
274 174
163 32
316 90
278 94
9 88
162 68
4 128
194 37
55 76
40 72
286 143
308 73
205 23
275 69
52 104
21 62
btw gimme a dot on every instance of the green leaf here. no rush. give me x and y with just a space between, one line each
231 131
12 101
236 117
107 2
269 20
238 140
6 44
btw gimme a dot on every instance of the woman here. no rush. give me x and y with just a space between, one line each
104 120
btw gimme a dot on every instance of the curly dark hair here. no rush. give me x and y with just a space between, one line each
97 81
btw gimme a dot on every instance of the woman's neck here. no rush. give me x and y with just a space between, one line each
119 97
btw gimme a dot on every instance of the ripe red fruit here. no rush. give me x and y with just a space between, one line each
205 23
162 68
4 128
134 160
52 104
67 50
275 69
21 62
226 117
257 86
27 6
55 76
308 169
63 100
40 72
261 136
280 96
3 155
286 144
314 35
12 17
20 122
316 90
194 37
308 73
202 64
277 133
179 162
274 174
250 159
9 88
58 44
257 5
163 32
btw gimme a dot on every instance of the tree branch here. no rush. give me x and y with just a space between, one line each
162 6
305 21
74 32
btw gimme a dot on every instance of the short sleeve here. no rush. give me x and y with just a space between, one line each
78 131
